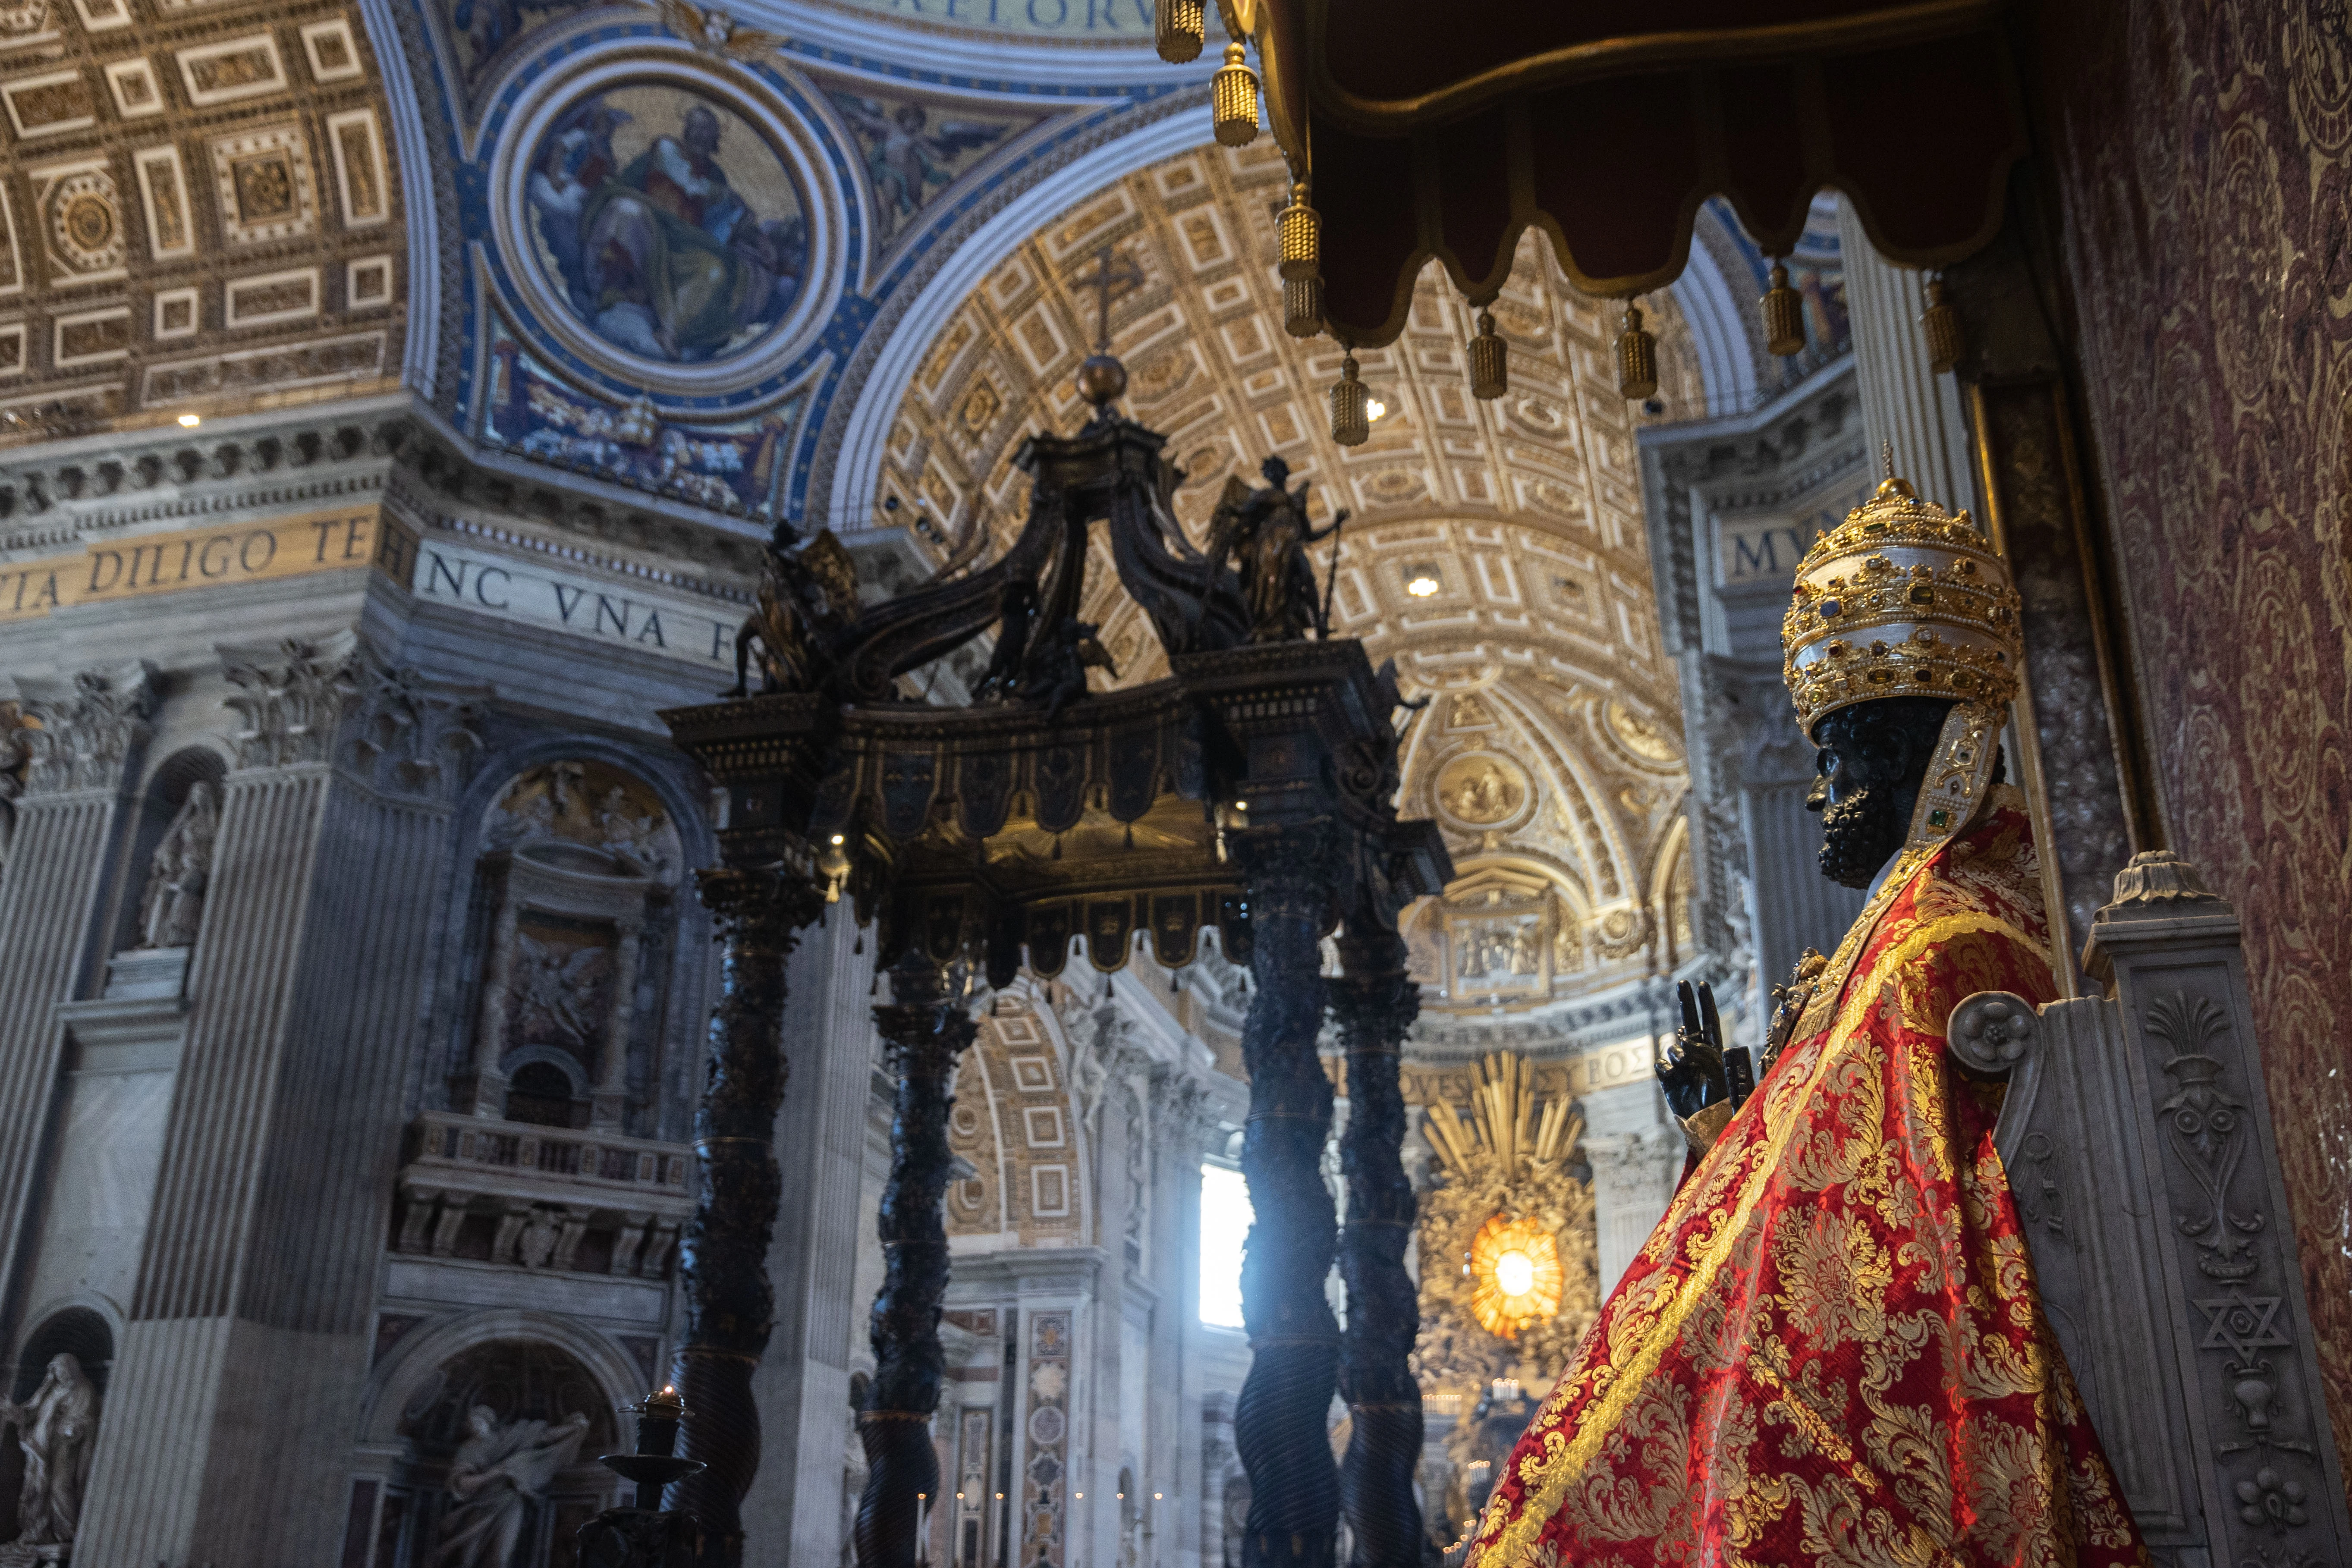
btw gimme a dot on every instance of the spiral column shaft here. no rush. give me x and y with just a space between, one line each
1279 1420
925 1030
723 1251
1375 1002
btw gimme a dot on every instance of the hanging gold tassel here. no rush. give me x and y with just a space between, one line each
1946 342
1302 231
1352 420
1637 358
1302 306
1236 99
1784 316
1179 29
1490 374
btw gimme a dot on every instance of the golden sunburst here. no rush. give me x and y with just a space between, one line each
1516 1266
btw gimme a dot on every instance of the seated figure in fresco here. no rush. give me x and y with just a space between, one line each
1832 1349
672 261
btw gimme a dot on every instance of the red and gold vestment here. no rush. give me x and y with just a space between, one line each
1832 1351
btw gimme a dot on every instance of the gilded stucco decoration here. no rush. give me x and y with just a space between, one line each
1496 550
196 207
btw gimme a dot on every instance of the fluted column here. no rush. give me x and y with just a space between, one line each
1904 402
1375 1002
1279 1423
723 1250
926 1029
73 781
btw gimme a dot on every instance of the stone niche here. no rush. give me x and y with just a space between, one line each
574 891
530 1393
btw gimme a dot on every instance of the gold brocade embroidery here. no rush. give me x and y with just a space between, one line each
1641 1329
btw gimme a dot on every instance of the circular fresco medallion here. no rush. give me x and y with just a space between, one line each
667 222
1483 789
667 227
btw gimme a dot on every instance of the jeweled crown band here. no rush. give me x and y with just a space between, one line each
1902 599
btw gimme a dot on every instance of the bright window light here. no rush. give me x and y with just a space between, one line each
1374 408
1225 1216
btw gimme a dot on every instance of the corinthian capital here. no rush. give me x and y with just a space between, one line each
292 696
81 730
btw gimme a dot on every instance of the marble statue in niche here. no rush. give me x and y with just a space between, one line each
671 225
173 905
500 1470
57 1429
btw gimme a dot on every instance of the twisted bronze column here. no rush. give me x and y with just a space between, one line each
1279 1420
1375 1002
723 1251
926 1028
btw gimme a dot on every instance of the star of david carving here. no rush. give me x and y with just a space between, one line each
2242 1324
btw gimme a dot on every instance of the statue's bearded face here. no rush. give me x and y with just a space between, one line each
1873 758
1862 824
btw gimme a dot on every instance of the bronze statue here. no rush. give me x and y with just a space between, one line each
1268 530
807 598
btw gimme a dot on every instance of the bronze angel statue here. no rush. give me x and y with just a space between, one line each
1268 532
805 600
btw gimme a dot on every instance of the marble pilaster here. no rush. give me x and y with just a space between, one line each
1904 402
250 1326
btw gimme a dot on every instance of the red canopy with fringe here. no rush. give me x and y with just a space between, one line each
1447 130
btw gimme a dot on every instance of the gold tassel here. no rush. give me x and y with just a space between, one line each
1784 316
1637 358
1946 342
1179 29
1490 374
1302 231
1236 99
1352 420
1302 306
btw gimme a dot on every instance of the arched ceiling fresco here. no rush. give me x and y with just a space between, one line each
1551 747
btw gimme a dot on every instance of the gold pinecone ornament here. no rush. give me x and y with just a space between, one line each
1236 90
1490 374
1351 416
1784 316
1302 306
1947 342
1637 358
1179 29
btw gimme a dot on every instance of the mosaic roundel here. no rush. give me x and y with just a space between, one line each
668 222
667 227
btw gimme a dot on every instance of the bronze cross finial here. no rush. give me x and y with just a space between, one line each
1886 458
1107 278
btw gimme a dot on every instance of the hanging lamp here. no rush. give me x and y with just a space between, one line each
1637 357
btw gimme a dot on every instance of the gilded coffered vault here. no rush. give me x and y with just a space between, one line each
1495 551
199 205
